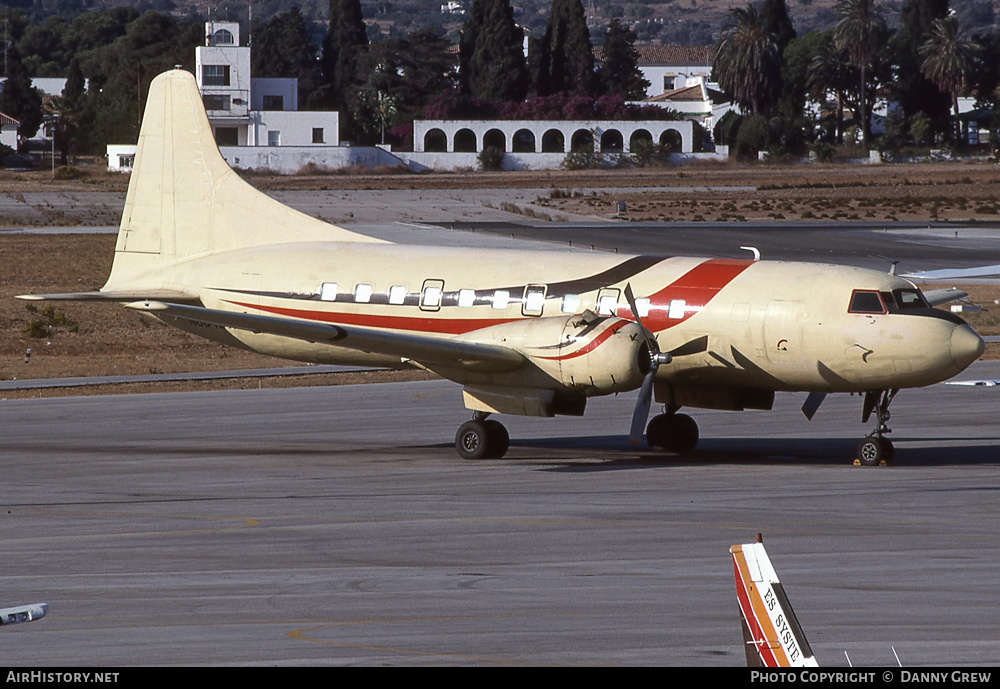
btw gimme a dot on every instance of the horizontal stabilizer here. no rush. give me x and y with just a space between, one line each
418 348
23 613
114 295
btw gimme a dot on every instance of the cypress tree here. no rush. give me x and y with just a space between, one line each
19 99
619 72
566 59
774 20
914 91
346 37
491 57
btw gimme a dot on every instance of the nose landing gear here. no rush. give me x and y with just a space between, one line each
875 449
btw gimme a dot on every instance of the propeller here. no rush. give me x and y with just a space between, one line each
656 358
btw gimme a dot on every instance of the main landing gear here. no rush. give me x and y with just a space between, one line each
482 438
875 449
672 432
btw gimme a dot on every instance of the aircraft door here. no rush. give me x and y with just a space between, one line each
783 331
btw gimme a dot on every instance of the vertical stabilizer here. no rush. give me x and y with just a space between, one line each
185 201
771 632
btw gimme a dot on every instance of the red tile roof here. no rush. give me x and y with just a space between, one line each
7 119
666 55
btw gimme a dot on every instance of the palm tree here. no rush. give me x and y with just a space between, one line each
747 63
829 71
860 33
949 56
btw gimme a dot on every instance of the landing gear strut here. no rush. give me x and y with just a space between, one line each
672 432
874 448
482 438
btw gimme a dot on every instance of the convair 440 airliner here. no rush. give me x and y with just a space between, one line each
530 333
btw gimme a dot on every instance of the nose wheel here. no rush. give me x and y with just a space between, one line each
482 438
875 448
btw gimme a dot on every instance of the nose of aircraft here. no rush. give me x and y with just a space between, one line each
966 346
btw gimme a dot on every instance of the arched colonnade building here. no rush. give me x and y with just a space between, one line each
550 136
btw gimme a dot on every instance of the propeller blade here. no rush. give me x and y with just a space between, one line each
641 412
695 346
654 348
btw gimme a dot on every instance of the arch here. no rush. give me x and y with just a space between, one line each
671 140
223 37
523 141
435 141
611 141
465 141
640 138
582 141
495 138
553 141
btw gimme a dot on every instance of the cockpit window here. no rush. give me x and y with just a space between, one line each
866 301
910 299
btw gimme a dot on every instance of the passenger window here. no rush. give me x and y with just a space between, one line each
866 301
432 297
642 306
328 291
500 299
571 303
362 293
676 309
606 305
534 300
397 294
466 297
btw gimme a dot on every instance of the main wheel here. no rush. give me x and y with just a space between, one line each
472 440
673 433
497 439
683 434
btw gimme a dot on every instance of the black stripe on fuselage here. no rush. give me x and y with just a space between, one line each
555 290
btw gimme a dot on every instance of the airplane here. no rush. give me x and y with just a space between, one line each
532 333
23 613
772 636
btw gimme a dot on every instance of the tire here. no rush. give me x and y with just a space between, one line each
871 451
658 431
683 434
497 439
472 440
673 433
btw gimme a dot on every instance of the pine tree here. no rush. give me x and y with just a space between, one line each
619 73
566 59
491 56
914 91
346 37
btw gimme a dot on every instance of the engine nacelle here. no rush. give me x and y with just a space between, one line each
586 353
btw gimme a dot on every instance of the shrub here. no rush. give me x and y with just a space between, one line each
491 159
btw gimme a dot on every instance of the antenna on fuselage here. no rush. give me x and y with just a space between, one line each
755 250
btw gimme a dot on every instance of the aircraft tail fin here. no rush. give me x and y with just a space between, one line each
183 198
771 632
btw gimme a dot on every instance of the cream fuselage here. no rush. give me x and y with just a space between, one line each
769 325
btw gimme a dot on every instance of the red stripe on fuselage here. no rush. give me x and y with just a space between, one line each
445 326
696 288
594 344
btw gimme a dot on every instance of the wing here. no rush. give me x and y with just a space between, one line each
419 348
114 295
